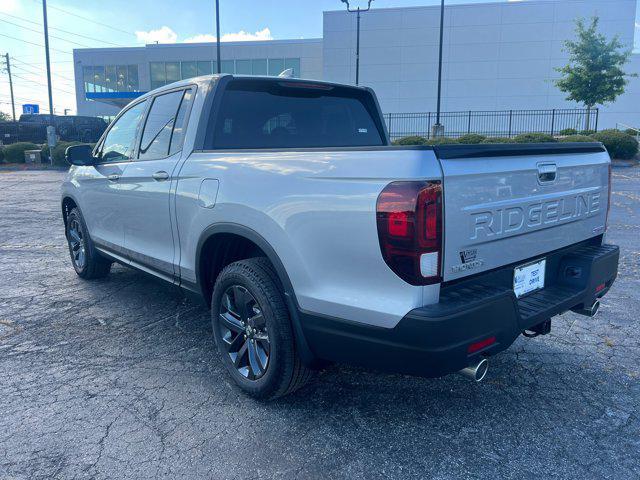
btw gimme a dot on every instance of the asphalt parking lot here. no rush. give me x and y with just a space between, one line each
117 379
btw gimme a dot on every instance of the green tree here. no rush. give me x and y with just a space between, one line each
4 117
594 75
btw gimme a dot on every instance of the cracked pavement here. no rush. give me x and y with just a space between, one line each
118 378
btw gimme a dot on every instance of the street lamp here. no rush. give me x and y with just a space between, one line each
218 68
438 129
357 10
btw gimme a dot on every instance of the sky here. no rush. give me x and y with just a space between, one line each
93 23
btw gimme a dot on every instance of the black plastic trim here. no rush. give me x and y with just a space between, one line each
446 152
432 341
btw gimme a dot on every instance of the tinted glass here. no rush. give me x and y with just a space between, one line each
158 74
276 66
227 66
156 135
118 144
257 114
173 71
243 67
294 64
204 68
188 70
132 78
259 66
180 124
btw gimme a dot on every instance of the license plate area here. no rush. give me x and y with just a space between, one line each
529 278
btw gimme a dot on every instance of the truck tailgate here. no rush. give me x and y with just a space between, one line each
507 203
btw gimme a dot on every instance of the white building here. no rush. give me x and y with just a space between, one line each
497 56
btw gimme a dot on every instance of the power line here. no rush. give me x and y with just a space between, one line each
90 20
65 31
40 83
21 67
38 31
33 43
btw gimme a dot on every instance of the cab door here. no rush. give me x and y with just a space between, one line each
147 183
99 184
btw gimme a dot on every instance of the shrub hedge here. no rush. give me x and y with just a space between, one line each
534 138
58 153
619 144
498 140
412 140
568 131
472 138
14 153
577 138
441 141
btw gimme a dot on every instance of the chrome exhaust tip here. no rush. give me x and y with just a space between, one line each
588 311
477 371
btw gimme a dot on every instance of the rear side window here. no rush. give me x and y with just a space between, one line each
258 114
164 128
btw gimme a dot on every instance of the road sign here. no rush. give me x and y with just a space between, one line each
30 108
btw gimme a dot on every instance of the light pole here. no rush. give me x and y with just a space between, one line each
51 129
218 35
357 11
438 129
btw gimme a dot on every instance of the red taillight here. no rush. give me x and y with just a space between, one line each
409 216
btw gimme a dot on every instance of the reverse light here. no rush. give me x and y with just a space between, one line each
409 218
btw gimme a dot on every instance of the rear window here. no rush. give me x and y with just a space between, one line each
259 114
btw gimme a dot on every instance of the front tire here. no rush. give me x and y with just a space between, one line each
253 331
85 259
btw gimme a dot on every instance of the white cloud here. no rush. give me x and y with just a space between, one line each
241 36
162 35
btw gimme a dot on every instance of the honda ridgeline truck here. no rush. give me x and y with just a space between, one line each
283 205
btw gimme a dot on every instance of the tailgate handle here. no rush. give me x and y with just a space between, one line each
547 172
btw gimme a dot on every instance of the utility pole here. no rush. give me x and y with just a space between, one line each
357 11
13 103
218 69
51 129
438 129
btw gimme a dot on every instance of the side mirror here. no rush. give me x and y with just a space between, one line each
80 155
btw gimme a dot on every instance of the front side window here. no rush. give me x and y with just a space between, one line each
162 134
272 114
119 141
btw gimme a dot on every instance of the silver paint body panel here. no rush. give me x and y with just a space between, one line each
316 208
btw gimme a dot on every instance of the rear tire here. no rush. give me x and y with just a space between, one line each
86 260
253 331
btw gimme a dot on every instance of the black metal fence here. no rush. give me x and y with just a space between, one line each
502 123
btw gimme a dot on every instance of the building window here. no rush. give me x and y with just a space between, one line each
111 78
158 74
243 67
204 68
163 73
259 66
276 66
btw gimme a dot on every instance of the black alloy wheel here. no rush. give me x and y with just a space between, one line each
244 332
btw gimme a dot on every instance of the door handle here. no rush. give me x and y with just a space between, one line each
160 176
113 178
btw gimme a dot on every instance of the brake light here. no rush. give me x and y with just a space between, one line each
409 218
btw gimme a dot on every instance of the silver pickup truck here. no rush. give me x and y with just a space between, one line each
282 204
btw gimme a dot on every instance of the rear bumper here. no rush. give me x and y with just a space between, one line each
434 340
